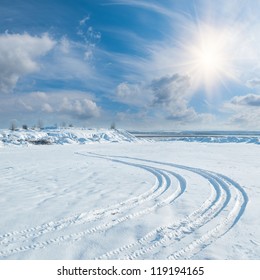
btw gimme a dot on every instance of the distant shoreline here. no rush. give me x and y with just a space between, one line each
194 134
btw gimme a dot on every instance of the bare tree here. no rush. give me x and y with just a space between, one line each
40 124
13 125
113 125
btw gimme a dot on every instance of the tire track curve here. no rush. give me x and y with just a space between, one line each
239 203
179 229
200 217
85 217
163 184
226 195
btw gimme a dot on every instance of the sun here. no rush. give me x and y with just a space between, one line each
210 52
208 56
210 59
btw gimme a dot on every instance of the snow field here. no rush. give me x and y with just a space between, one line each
130 201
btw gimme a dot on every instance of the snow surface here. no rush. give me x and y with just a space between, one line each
128 199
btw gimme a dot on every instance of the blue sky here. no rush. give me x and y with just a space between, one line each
145 65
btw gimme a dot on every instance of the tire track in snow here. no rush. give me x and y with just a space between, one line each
239 202
209 210
197 219
164 183
179 229
86 217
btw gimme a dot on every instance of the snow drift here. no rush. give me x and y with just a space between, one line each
63 136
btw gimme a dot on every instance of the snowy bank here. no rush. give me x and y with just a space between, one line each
63 136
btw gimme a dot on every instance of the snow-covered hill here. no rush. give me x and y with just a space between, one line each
63 136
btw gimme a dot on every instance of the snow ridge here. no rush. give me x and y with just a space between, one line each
64 136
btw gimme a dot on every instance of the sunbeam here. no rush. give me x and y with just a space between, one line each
208 56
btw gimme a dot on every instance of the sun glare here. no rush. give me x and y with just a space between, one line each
208 57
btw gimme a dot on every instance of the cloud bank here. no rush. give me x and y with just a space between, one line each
66 105
244 110
165 98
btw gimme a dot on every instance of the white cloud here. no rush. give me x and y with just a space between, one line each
83 108
40 94
253 83
46 107
166 98
246 100
64 45
18 57
133 94
87 32
147 5
72 61
171 94
67 61
84 20
244 110
68 104
169 90
246 119
88 55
